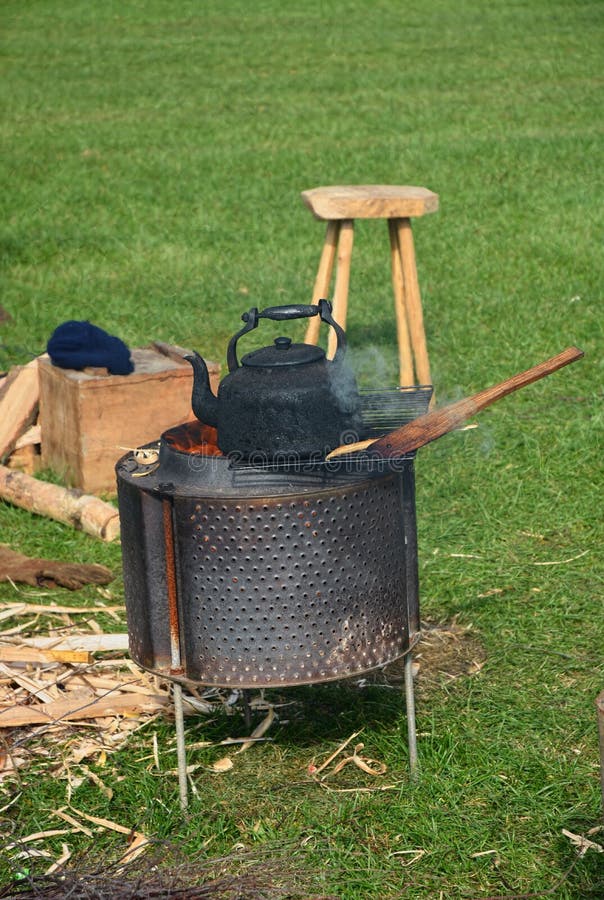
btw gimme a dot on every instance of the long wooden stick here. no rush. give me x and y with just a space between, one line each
83 511
434 424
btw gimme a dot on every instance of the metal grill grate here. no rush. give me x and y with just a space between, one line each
386 409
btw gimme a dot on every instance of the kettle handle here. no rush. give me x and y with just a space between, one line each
279 313
292 311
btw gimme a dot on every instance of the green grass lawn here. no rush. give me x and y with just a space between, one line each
153 154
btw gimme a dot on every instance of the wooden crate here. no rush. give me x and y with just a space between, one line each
87 419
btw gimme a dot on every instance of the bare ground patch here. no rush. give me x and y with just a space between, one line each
446 652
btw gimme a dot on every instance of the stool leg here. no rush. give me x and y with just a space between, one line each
323 279
340 295
413 302
405 358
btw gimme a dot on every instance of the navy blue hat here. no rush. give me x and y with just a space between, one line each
76 345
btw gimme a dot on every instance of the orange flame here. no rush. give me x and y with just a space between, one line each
193 437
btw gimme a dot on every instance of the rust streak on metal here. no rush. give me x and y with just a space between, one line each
176 667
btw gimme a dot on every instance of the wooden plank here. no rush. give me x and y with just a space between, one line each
95 643
18 405
76 709
20 654
23 608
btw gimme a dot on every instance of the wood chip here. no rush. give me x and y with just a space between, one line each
24 626
40 836
103 823
33 853
364 763
259 730
28 684
582 843
102 683
222 765
25 459
414 854
10 763
139 845
562 562
107 791
71 821
33 435
314 770
87 748
60 862
115 697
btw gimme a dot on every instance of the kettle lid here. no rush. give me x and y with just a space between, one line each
283 353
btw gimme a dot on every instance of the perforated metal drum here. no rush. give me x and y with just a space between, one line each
262 580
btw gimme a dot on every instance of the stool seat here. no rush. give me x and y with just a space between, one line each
339 206
370 201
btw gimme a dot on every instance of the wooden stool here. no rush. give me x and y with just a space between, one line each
340 206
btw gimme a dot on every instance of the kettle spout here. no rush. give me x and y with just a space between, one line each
203 401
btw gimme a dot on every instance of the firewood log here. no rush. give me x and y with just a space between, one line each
82 511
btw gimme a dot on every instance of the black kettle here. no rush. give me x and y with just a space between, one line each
287 399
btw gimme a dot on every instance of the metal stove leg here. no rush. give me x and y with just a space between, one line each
410 704
412 594
181 752
246 696
175 654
